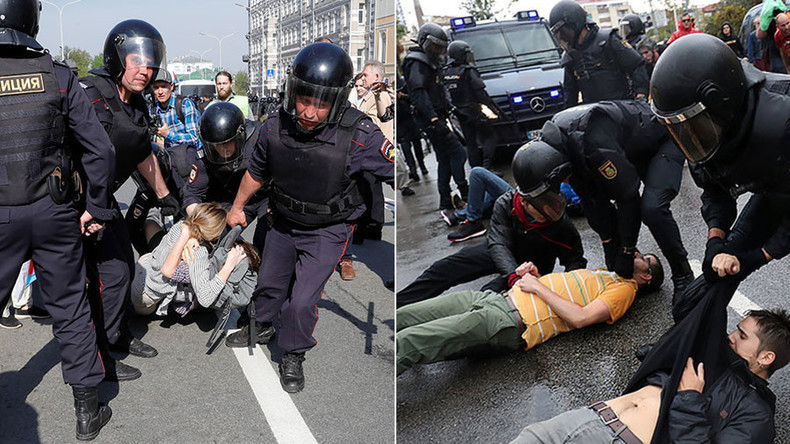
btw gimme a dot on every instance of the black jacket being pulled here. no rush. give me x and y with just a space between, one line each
510 244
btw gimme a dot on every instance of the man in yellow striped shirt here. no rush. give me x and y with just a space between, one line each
468 323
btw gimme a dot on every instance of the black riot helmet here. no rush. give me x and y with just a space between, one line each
433 41
567 19
132 44
223 133
19 22
460 53
631 27
699 90
538 170
320 75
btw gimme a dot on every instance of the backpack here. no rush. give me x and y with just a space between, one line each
242 280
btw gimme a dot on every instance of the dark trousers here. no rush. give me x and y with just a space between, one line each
662 177
412 150
110 263
479 143
50 234
451 157
296 263
466 265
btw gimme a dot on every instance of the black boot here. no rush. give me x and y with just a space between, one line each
291 372
91 416
115 370
127 343
264 331
682 276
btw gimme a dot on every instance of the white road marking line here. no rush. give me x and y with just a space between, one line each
283 417
740 303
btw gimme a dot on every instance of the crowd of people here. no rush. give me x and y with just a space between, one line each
636 111
200 171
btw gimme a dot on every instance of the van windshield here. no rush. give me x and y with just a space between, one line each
198 90
515 46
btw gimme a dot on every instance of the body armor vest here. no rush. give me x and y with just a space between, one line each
32 128
225 179
461 93
432 85
130 137
310 185
597 73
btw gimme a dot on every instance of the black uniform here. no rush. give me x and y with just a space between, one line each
408 135
429 100
602 67
110 260
41 106
510 243
614 147
761 165
468 92
314 198
208 182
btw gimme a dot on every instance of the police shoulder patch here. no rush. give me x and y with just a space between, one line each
626 44
21 84
388 151
608 170
193 174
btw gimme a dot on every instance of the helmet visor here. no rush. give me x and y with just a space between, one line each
564 34
625 28
435 48
225 152
694 130
141 52
314 103
547 202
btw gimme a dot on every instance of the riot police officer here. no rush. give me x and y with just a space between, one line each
632 29
614 147
311 153
216 171
422 68
44 110
597 62
730 120
468 94
518 233
132 51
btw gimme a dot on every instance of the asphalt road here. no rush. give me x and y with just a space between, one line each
492 400
187 395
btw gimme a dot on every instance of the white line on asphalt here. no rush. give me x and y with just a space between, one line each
740 303
283 417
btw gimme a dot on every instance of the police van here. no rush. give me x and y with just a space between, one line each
518 60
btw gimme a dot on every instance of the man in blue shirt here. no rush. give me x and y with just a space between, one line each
180 116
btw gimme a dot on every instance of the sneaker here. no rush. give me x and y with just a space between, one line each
449 217
466 231
406 191
458 202
10 322
31 312
292 373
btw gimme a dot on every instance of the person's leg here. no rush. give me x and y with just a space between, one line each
487 143
443 173
429 310
275 273
466 265
473 152
407 155
484 188
578 426
488 327
662 184
419 156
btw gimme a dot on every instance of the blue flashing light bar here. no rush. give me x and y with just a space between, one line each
554 93
529 16
462 22
517 99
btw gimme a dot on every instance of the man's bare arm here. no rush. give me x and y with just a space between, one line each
247 188
575 315
149 168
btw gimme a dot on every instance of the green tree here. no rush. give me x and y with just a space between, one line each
81 57
241 82
731 12
479 9
98 61
401 30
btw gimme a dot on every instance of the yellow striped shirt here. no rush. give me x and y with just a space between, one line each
580 287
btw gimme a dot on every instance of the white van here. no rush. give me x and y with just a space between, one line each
202 88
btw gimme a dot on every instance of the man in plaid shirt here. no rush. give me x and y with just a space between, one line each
179 126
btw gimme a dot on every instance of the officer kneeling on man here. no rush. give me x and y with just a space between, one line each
311 153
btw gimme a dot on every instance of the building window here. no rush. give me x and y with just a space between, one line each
383 46
360 58
361 13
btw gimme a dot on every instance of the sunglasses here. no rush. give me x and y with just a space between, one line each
686 20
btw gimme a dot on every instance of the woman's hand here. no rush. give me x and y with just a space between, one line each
235 256
188 253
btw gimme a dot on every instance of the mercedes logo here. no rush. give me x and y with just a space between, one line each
537 104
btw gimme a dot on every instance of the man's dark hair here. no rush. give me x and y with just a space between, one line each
656 273
774 334
224 73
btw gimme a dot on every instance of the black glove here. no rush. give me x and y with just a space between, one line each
714 246
610 250
439 129
169 205
624 263
751 261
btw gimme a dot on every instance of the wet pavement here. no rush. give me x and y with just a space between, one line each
491 400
